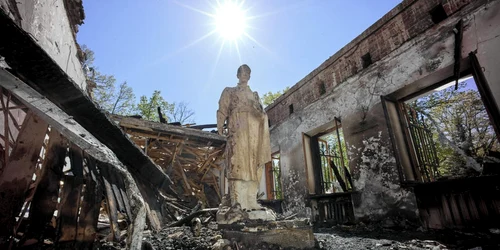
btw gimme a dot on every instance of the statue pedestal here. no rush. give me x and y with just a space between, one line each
289 233
231 215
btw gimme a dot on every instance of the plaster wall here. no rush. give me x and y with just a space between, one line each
420 61
47 22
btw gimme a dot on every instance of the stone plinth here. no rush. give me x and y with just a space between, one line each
297 234
231 215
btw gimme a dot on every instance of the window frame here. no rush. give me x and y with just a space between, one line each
271 180
401 146
312 155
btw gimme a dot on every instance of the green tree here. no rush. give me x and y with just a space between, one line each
461 128
148 107
105 94
269 97
173 112
123 100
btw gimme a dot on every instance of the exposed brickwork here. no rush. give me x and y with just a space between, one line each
406 21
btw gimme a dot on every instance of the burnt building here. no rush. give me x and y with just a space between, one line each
383 130
63 162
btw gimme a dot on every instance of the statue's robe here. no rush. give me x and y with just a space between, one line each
248 146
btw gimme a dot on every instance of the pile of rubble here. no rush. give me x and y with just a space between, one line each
185 237
207 236
375 237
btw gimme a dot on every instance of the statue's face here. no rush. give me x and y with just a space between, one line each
244 75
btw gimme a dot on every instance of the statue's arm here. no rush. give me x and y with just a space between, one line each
257 99
223 112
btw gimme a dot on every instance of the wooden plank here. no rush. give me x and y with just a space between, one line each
44 201
269 180
216 187
156 127
112 178
126 202
89 213
154 214
68 209
111 204
87 224
139 165
188 187
76 160
17 175
6 128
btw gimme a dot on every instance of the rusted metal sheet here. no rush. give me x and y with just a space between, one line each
17 175
461 203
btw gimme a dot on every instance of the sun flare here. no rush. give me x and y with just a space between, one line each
230 20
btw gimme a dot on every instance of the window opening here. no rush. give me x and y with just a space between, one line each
290 108
438 14
449 132
273 178
367 60
335 176
276 175
322 88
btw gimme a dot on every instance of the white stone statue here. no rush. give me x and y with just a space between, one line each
248 145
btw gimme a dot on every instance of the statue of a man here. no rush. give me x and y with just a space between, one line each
248 145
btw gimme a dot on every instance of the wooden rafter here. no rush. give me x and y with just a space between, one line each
17 174
188 155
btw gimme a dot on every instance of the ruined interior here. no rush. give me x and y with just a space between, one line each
399 129
385 90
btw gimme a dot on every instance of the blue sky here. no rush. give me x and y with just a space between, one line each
146 44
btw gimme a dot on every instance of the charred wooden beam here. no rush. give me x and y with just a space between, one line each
459 33
6 129
68 210
80 136
156 179
18 173
42 73
154 128
44 201
89 213
111 202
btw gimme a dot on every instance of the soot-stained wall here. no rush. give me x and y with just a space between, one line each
49 23
408 51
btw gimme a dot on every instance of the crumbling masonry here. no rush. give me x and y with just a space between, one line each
417 44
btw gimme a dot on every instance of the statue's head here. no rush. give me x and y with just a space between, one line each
243 73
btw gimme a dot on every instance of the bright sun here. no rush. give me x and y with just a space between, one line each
230 20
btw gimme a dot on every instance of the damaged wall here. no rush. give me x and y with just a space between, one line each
407 50
48 22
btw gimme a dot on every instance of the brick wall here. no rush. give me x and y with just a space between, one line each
407 20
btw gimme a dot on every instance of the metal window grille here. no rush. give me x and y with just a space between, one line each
335 176
422 147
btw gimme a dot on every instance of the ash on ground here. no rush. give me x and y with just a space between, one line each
338 237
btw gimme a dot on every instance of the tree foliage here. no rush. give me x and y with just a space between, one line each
269 97
148 107
461 128
115 101
172 112
121 99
